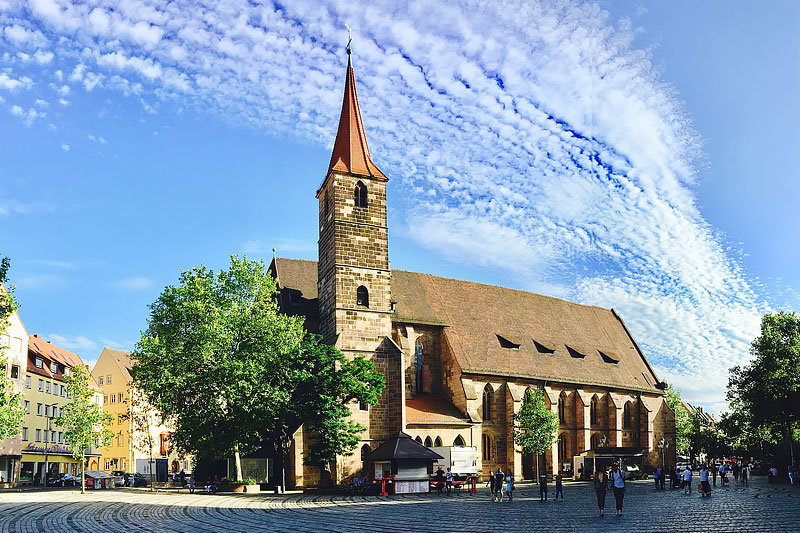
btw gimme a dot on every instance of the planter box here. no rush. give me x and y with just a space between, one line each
250 489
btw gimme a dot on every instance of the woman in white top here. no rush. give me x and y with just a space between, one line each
705 488
687 481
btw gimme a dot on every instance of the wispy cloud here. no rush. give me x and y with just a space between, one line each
529 137
282 245
136 283
78 344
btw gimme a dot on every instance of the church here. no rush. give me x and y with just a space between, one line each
458 356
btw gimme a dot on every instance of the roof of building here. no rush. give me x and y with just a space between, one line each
350 150
50 353
402 446
123 360
506 332
429 409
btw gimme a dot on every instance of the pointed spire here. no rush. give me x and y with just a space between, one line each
350 150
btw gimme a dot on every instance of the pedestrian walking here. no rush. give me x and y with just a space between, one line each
499 477
705 488
510 484
559 487
655 476
673 479
687 480
600 488
714 472
491 484
542 487
735 470
744 474
618 479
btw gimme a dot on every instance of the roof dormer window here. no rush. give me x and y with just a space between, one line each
508 341
39 362
54 368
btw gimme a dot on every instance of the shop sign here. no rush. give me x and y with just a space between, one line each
55 448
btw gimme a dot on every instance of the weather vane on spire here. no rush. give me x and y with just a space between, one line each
349 38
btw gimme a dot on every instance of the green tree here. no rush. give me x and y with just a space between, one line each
535 425
11 409
768 389
231 374
683 421
85 423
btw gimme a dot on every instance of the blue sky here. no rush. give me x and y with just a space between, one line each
632 155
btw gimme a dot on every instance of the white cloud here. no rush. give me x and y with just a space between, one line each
539 143
78 344
11 84
65 147
135 283
23 37
27 117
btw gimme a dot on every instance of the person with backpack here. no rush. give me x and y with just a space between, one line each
618 479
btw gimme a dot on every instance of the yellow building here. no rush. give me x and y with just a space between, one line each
44 447
14 351
131 450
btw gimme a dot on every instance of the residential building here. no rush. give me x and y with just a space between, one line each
458 356
14 351
44 447
133 420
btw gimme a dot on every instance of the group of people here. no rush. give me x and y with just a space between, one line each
614 479
500 482
444 479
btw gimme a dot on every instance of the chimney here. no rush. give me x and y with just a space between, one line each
36 335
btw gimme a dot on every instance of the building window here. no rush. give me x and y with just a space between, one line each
47 387
119 398
418 352
362 296
487 403
562 447
627 416
119 439
418 439
487 447
53 436
60 437
459 441
39 362
27 407
108 379
62 390
105 399
113 398
39 409
562 410
14 371
119 419
38 435
101 380
360 194
363 406
24 433
437 442
47 411
54 368
41 385
593 411
55 411
428 442
27 382
108 464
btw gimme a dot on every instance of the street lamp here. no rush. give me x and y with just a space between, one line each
663 445
47 440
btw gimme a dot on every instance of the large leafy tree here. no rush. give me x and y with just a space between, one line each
11 409
683 421
84 421
768 389
232 374
535 425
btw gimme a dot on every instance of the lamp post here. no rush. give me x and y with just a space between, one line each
663 445
47 441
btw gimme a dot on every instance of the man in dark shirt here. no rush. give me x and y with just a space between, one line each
543 487
499 477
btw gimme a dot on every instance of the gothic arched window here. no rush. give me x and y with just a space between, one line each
418 352
437 442
627 416
428 442
487 402
593 411
562 447
459 441
562 410
360 194
362 296
487 447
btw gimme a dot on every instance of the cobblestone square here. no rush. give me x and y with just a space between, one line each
759 507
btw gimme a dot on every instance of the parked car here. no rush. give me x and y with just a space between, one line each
136 480
119 477
62 480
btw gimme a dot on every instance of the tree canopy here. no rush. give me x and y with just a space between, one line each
84 421
231 374
683 421
11 409
535 425
766 393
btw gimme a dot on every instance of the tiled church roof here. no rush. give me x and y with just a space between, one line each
506 332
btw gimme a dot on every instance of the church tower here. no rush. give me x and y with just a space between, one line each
353 277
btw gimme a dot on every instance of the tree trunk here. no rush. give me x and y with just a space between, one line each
238 461
83 474
150 468
536 458
791 448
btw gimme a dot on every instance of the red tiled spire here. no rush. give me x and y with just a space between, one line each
350 151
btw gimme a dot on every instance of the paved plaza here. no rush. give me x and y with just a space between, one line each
760 507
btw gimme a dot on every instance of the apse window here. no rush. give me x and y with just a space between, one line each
577 352
609 357
362 296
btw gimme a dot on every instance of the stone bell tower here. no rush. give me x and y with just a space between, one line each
353 277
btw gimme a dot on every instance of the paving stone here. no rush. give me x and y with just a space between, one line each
759 507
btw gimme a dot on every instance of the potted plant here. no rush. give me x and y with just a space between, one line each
246 484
